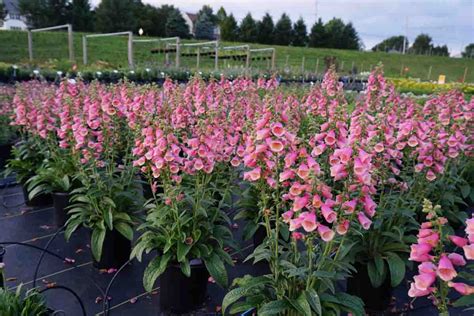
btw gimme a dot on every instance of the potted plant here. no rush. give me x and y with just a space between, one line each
8 136
188 230
28 156
55 177
439 264
104 205
19 303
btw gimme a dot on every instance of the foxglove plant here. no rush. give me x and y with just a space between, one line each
438 269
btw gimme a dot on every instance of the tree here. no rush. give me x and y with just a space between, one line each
153 20
351 39
300 36
3 12
391 43
439 50
248 29
468 51
283 30
210 13
82 16
176 25
229 29
44 13
221 15
335 33
318 36
265 30
422 44
116 16
204 27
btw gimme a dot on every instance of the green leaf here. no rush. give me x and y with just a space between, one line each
124 229
273 308
71 227
352 303
467 300
314 301
375 277
301 304
154 269
183 250
109 218
465 190
216 269
97 241
397 268
186 268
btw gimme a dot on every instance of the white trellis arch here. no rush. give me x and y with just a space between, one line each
69 35
129 45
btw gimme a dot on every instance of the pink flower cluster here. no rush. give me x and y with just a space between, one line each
436 264
324 162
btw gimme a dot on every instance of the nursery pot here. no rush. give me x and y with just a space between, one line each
60 202
5 153
375 299
39 200
115 251
180 294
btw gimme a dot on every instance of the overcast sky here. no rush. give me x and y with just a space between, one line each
448 22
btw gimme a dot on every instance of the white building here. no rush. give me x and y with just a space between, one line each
13 20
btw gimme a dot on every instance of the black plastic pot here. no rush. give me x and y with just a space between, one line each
60 202
5 153
115 251
180 294
2 253
37 201
375 299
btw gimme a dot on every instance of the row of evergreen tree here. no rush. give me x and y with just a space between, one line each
166 20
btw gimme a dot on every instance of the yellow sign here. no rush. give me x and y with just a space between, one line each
441 79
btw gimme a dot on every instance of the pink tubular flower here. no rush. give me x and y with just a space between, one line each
287 216
457 259
469 251
469 226
424 280
300 202
277 129
276 146
252 175
364 220
458 241
462 288
420 252
342 227
416 292
445 269
325 232
309 222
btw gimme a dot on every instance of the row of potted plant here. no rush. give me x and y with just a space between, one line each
335 193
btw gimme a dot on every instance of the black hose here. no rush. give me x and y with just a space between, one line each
54 255
35 276
65 288
105 305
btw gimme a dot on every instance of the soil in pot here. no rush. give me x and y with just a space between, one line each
60 202
115 251
37 201
375 299
180 294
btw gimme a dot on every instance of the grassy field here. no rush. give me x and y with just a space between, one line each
50 50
